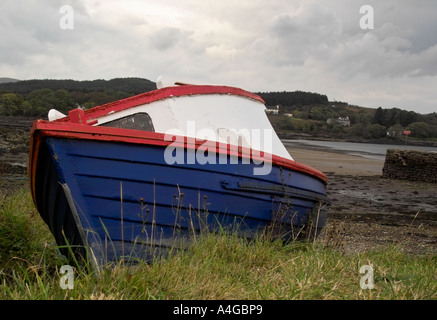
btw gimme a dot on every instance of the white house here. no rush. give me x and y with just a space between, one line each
273 111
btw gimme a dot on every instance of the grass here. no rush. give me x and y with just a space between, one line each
218 266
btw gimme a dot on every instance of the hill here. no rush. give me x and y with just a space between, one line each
286 98
128 85
311 114
33 98
7 80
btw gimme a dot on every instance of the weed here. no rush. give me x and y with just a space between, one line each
219 265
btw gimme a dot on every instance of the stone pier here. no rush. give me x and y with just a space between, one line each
410 165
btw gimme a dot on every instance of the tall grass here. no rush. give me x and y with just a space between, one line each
217 266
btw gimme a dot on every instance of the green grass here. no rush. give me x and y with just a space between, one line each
219 266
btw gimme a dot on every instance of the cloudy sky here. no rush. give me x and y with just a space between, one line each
258 45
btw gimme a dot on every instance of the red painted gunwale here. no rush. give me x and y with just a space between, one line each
161 94
81 131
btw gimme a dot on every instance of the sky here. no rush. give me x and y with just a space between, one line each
328 46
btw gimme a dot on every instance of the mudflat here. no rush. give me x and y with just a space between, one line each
368 211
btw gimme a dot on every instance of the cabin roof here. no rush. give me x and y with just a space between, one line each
165 93
227 113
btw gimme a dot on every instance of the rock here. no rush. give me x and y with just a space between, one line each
410 165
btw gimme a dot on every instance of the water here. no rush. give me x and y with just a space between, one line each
367 150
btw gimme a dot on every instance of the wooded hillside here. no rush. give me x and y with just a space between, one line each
299 111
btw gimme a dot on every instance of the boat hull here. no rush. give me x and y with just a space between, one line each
117 200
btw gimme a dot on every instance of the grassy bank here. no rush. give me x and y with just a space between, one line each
216 267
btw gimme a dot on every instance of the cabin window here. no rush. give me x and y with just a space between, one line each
138 121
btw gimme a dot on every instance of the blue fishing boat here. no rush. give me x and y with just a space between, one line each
133 178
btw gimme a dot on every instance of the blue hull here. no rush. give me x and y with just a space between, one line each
126 202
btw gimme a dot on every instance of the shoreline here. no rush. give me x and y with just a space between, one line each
366 210
390 141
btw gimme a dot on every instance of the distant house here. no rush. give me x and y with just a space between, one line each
345 121
395 133
274 111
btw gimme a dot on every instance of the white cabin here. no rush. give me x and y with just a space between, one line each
226 118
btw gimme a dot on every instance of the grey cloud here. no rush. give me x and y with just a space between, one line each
379 56
295 37
275 45
316 32
32 29
165 38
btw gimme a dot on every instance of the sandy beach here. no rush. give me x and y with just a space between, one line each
338 163
368 211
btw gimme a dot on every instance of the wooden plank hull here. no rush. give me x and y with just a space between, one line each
123 201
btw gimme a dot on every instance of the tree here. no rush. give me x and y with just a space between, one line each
63 101
379 116
419 129
358 130
43 99
297 114
377 131
293 98
407 117
10 103
26 108
317 113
